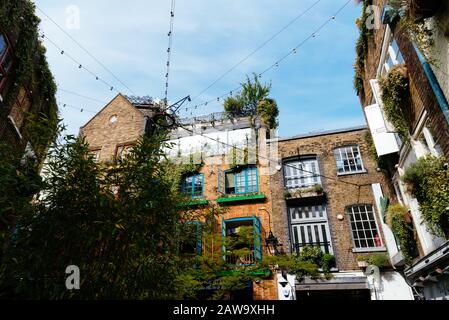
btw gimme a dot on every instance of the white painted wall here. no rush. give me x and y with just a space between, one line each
199 143
390 285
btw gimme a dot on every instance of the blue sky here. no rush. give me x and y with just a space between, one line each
313 88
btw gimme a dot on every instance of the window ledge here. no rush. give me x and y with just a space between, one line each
193 203
241 198
351 173
377 249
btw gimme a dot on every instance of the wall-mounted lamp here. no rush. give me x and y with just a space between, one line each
271 241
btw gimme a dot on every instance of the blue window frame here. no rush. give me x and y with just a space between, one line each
193 185
228 227
240 181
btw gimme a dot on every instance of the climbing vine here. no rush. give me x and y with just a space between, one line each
30 70
428 179
403 231
361 48
396 99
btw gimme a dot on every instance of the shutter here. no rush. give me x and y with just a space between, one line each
257 230
384 140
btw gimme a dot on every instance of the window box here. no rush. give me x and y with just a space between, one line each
310 192
238 198
263 273
362 264
194 203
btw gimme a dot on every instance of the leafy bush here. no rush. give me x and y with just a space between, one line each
253 100
396 219
396 99
428 179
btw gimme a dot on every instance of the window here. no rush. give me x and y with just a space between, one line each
242 240
393 57
364 229
241 181
310 227
349 160
95 153
192 240
123 150
193 185
302 173
5 60
428 143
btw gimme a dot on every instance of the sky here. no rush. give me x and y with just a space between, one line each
313 88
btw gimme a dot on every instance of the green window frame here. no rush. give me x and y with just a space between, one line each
257 234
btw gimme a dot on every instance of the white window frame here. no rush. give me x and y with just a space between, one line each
429 146
303 172
350 212
339 149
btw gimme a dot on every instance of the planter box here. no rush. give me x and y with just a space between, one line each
302 193
362 264
250 197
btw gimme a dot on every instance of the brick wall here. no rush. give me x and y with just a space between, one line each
422 94
338 195
101 134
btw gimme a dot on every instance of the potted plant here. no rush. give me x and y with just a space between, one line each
362 262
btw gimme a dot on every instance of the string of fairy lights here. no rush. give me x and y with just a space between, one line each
277 63
217 99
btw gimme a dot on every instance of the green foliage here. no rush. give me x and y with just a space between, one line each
298 193
378 259
361 49
124 244
370 142
253 100
403 231
429 181
30 70
268 110
396 99
293 264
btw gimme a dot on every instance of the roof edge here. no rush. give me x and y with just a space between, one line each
320 133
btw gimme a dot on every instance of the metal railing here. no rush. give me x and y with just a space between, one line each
240 260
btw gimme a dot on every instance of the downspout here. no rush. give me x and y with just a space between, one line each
442 102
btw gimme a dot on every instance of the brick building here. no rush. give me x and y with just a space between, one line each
328 193
243 192
28 106
389 45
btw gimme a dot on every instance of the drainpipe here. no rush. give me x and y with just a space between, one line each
442 102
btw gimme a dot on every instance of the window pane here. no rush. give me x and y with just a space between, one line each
348 159
7 61
363 225
198 186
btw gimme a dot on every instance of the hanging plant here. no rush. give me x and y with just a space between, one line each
396 99
403 231
428 181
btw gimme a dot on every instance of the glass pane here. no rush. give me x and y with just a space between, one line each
198 186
